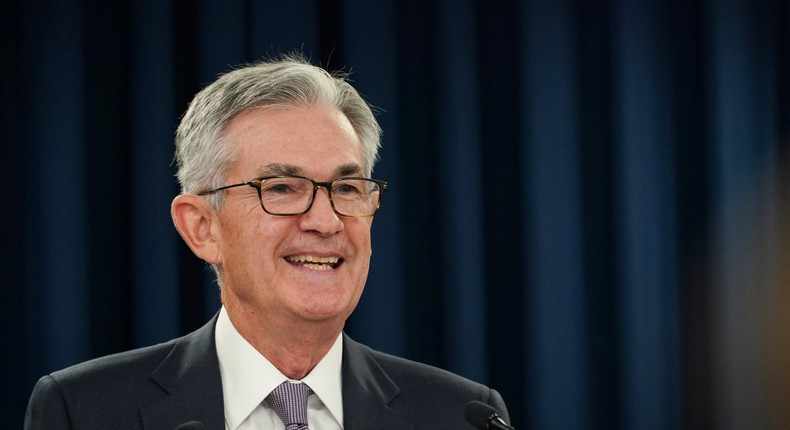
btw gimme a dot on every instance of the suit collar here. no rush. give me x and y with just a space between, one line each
368 392
190 374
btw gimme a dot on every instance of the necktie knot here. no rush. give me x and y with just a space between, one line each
289 402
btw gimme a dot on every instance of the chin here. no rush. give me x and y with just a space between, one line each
323 312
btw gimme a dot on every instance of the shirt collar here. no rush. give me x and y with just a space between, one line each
248 377
326 381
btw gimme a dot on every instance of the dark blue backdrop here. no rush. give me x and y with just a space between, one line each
570 182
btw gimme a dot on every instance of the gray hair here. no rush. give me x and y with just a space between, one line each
202 156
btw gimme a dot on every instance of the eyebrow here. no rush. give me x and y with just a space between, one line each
290 170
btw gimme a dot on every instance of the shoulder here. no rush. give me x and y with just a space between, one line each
116 367
134 365
415 378
109 377
102 392
419 373
108 392
418 392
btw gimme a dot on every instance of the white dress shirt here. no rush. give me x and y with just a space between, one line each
248 377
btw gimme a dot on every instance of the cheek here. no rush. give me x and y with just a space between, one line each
360 231
364 252
245 245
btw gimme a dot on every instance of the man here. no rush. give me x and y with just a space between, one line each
274 162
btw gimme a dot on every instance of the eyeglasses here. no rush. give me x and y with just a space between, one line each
294 195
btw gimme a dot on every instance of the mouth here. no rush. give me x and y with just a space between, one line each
314 263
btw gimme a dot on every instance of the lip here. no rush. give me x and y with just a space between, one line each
313 261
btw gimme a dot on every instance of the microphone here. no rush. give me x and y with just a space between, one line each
191 425
483 417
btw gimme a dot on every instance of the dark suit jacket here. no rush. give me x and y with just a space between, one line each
163 386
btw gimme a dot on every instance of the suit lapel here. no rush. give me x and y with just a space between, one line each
190 374
368 391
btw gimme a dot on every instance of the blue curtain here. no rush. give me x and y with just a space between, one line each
580 189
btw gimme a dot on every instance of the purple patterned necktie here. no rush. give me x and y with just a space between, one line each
289 401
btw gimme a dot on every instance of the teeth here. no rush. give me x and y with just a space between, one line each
318 266
313 262
312 259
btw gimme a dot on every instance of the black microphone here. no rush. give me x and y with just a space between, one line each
191 425
483 417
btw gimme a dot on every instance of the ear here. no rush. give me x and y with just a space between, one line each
197 224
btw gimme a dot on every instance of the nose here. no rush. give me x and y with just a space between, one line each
321 217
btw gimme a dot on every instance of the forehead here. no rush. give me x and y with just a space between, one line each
314 140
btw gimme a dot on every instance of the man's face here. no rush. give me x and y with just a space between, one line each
263 256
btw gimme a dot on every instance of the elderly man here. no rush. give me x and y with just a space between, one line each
274 162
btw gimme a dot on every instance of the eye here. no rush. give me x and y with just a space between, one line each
284 186
278 189
347 188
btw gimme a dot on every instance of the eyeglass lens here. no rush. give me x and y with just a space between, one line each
351 197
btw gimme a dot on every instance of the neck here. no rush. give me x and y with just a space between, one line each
293 347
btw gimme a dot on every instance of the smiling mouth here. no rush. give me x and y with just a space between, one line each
314 263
